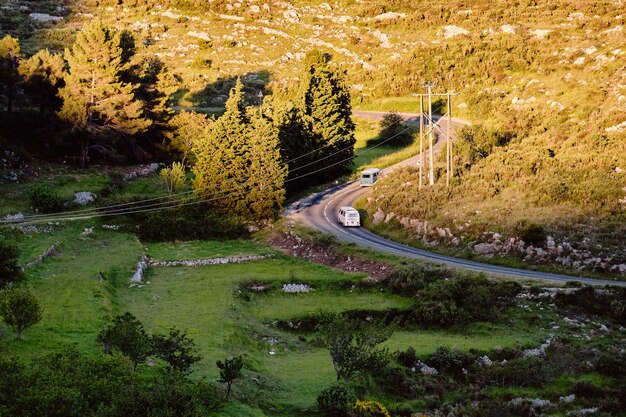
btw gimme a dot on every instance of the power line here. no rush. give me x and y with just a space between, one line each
133 204
68 216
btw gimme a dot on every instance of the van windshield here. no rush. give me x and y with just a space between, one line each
352 214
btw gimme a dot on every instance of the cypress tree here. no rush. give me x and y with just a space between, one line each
238 163
266 181
326 101
222 158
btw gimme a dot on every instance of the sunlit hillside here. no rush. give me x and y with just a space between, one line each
548 76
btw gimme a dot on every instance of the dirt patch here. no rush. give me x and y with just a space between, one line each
294 245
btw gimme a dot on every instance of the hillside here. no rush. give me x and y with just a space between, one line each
546 79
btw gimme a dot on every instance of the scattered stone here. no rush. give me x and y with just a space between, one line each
209 261
87 231
110 226
45 18
484 361
539 351
603 328
297 288
142 171
137 277
451 31
13 218
51 252
568 399
424 369
84 197
484 248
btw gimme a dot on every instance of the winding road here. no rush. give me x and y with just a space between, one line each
320 211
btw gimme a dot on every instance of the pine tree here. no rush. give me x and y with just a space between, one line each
326 101
95 99
297 145
43 77
10 56
238 167
221 169
266 192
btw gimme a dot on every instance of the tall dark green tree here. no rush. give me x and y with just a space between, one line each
237 166
10 271
10 55
230 370
43 77
266 179
96 100
297 145
326 104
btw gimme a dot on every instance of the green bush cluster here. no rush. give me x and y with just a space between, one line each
337 400
185 223
45 198
610 302
70 384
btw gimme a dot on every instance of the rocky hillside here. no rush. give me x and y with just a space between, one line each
544 81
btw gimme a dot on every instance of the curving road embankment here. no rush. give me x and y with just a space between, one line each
320 212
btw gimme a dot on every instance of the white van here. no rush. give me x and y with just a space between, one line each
370 176
349 216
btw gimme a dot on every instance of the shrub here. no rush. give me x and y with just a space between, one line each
186 223
9 269
407 358
44 198
393 130
411 279
533 234
463 300
450 362
368 409
336 400
174 177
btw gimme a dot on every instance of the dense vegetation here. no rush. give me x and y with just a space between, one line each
254 99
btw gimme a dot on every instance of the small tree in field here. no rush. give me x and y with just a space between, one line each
173 177
127 335
19 309
230 370
352 345
176 349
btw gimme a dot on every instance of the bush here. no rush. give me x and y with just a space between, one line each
185 223
368 409
394 132
533 234
336 400
450 362
44 198
411 279
174 177
407 358
9 269
463 300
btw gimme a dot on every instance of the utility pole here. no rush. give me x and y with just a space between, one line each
431 127
448 144
431 169
421 160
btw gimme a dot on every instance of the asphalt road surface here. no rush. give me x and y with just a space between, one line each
320 212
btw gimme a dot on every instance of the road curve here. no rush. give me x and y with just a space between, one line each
320 211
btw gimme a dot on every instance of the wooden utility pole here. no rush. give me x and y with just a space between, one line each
431 168
431 128
421 160
448 144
